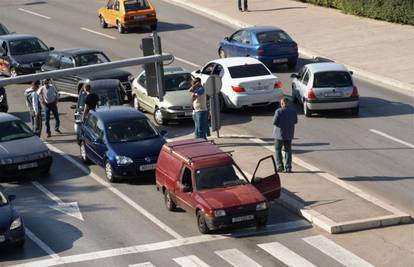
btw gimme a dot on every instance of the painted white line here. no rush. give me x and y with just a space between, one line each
392 138
34 13
41 244
285 255
187 62
336 252
190 261
118 193
236 258
98 33
123 251
144 264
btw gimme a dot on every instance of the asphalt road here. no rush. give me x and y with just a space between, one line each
335 142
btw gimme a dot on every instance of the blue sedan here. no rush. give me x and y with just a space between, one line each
122 140
11 224
270 45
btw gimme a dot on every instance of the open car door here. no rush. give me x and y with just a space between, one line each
266 179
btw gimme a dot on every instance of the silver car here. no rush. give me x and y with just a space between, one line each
325 86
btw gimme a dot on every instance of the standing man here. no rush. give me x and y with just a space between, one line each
50 97
284 122
35 108
91 101
200 113
244 8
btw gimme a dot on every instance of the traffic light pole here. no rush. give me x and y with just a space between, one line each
158 66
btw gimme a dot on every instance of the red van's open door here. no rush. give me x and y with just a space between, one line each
266 179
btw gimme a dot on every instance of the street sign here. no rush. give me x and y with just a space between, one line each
213 86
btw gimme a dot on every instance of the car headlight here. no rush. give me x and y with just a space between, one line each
16 223
261 206
219 213
46 154
123 160
6 161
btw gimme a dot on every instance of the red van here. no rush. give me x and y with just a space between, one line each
200 178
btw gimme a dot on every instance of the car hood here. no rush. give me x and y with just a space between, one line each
178 98
30 58
139 149
118 74
227 197
6 216
16 148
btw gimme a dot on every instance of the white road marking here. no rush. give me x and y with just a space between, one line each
41 244
71 209
144 264
34 13
99 33
392 138
236 258
123 251
285 255
118 193
190 261
336 252
187 62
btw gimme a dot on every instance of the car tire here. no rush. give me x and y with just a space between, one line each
221 53
103 22
355 111
169 203
121 29
19 244
158 117
136 103
292 64
154 27
82 152
261 222
13 72
109 173
306 111
201 223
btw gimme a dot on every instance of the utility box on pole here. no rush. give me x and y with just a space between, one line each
213 87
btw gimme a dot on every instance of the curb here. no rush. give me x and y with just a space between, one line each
397 86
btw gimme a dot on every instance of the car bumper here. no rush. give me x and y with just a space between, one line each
280 59
339 103
245 100
13 236
216 223
177 114
139 23
12 170
132 171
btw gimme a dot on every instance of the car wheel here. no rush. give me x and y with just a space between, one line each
109 172
154 27
355 111
261 222
201 223
292 64
13 72
102 22
158 117
136 103
169 203
120 28
82 150
19 244
306 110
221 53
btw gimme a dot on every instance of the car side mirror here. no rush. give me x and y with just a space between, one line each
186 188
198 71
51 48
226 38
11 197
351 72
163 133
293 75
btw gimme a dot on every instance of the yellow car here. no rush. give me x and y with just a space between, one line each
127 14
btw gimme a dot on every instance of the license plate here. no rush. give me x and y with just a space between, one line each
333 94
242 218
147 167
27 166
188 113
280 60
139 17
2 238
259 88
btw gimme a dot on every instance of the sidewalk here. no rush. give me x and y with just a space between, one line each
379 51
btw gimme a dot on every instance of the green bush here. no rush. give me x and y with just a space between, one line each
399 11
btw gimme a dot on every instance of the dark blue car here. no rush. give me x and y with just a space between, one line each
11 224
122 140
270 45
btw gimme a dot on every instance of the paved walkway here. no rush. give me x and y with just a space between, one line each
375 50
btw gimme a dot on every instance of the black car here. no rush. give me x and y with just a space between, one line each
3 30
76 57
109 93
4 107
11 224
21 54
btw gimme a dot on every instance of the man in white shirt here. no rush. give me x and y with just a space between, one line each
200 112
35 108
50 98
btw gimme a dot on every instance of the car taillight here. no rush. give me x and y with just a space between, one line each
355 91
278 85
311 94
238 89
260 52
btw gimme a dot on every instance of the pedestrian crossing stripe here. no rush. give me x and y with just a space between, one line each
236 258
190 261
285 255
144 264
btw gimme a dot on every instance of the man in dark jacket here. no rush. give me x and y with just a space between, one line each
284 122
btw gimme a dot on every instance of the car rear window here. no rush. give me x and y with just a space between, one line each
177 82
273 37
332 79
134 5
248 70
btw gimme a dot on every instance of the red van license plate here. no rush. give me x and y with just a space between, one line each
242 218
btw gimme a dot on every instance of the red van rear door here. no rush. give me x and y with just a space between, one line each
266 179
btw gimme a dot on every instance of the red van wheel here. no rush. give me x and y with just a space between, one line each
169 203
201 223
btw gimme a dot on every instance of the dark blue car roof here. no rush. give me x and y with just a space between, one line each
257 29
7 117
117 113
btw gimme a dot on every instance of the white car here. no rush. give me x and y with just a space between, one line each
246 82
325 86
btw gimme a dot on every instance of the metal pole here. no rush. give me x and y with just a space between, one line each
158 67
216 118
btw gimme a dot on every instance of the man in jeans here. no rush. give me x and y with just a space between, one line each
50 98
200 113
284 122
35 108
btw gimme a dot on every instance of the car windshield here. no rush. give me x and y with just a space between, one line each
3 199
27 46
178 82
134 5
248 70
273 37
332 79
218 177
130 130
12 130
91 58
